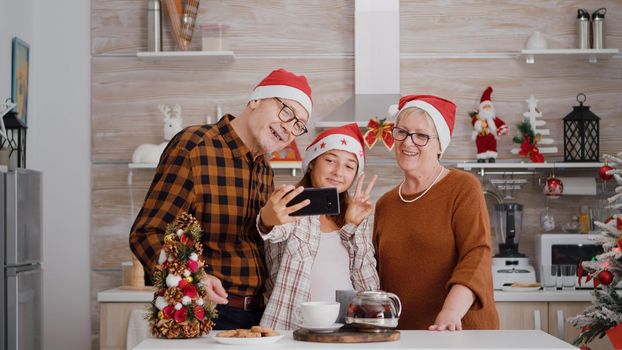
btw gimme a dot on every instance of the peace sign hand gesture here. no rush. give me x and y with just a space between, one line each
360 206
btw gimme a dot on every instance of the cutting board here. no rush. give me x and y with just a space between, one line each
345 336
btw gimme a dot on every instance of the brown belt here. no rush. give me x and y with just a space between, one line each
252 303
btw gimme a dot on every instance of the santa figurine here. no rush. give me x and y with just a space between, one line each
487 127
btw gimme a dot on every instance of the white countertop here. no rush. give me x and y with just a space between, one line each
117 295
514 339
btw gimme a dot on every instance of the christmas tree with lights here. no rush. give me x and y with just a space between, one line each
604 316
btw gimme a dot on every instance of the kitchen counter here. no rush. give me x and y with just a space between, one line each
515 339
117 295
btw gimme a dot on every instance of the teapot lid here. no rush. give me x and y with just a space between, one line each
374 294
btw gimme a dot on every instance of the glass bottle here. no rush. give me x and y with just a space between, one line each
584 219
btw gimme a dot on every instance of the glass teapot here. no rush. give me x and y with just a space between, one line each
374 311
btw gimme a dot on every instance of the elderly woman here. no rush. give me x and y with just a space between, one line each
431 233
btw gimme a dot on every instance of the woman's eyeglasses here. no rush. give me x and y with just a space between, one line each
286 115
419 139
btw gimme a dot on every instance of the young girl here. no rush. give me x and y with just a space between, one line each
311 257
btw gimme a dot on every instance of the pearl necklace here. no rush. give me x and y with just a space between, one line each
399 190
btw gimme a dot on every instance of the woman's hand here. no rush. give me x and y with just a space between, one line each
447 319
276 211
360 206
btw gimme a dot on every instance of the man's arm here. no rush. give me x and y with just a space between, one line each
171 192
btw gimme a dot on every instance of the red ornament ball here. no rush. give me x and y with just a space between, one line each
602 172
585 347
605 277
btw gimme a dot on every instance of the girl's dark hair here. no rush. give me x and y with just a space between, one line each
344 199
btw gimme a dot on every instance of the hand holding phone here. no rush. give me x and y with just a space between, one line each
276 212
324 201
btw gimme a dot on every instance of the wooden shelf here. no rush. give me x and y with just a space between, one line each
592 55
545 165
212 56
142 165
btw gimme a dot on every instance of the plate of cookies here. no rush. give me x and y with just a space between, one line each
254 336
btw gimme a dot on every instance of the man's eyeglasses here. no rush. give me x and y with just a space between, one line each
286 115
417 138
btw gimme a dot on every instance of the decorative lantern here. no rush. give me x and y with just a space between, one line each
15 139
581 134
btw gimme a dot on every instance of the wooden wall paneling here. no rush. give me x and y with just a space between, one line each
555 84
126 92
432 26
276 27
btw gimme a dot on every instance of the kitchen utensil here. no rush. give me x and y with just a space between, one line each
374 311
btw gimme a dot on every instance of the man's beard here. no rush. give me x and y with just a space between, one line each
487 114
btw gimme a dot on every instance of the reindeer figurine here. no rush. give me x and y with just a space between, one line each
150 153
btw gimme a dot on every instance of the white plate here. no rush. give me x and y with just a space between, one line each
332 328
247 341
519 289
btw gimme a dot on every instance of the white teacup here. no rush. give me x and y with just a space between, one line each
318 314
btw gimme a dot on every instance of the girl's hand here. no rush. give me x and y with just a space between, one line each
360 206
276 212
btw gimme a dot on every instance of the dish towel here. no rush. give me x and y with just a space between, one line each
137 328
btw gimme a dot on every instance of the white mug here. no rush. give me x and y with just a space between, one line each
317 314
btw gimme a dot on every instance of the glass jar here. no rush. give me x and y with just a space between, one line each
213 37
547 220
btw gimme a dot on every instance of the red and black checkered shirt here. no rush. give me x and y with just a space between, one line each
208 172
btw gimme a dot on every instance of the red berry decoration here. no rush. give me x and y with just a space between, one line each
602 172
605 277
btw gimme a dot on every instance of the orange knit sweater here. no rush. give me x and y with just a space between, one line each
425 247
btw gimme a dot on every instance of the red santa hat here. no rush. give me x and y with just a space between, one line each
442 111
346 138
486 95
284 84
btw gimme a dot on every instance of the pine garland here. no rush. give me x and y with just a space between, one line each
605 311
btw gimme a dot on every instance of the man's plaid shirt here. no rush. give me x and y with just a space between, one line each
208 172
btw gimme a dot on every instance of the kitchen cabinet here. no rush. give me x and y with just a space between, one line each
550 317
113 321
523 315
561 328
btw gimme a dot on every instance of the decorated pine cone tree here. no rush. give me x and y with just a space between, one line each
178 309
605 313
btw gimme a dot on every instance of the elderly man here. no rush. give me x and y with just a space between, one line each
220 175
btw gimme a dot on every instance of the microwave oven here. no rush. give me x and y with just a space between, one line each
566 249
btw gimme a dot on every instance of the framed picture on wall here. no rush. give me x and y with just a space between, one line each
19 80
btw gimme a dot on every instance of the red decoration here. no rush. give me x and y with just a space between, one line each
615 336
535 155
379 130
199 312
605 277
580 271
585 347
602 172
554 187
181 315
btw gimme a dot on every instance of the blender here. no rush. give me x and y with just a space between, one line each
509 265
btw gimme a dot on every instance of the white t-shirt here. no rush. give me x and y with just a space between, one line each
331 268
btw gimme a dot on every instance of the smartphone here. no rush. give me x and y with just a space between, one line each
324 201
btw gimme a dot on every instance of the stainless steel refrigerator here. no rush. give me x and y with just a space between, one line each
20 282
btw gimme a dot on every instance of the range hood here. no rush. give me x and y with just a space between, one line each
376 64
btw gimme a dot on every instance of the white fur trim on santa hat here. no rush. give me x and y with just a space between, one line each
335 141
283 91
444 136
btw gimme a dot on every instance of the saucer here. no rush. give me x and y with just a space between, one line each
332 328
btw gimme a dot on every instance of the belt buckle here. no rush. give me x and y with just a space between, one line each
247 303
